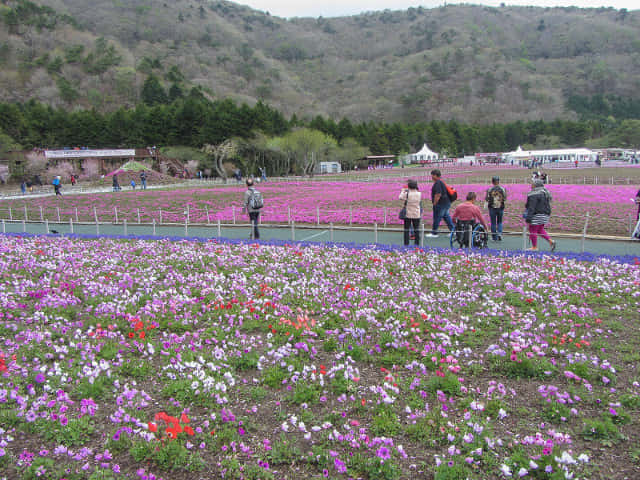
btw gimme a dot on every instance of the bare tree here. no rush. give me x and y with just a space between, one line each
219 154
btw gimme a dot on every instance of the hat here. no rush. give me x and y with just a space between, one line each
495 179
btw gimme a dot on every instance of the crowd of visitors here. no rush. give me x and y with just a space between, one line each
536 215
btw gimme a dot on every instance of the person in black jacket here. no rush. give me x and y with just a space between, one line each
538 211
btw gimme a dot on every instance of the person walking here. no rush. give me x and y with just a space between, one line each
23 186
496 199
413 211
116 185
56 185
253 202
133 184
441 203
143 180
538 212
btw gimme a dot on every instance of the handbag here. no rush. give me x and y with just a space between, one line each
403 213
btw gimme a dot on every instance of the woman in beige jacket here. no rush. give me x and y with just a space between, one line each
413 197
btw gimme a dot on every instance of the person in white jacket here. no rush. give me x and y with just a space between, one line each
413 198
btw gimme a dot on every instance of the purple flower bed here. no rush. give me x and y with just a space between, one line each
149 359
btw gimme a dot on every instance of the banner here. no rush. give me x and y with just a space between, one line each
88 153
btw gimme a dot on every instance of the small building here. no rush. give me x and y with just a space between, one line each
329 167
561 155
425 155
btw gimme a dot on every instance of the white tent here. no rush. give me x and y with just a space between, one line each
550 156
424 155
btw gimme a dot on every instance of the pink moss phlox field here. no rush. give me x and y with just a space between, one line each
148 359
609 206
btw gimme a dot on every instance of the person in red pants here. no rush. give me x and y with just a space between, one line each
538 212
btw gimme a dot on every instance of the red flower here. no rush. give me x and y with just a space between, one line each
141 334
131 334
188 430
184 418
153 427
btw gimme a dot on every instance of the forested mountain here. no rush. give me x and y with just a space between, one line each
470 63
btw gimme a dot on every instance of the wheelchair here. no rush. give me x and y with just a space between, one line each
459 237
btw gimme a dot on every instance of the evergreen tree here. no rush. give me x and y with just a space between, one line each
153 92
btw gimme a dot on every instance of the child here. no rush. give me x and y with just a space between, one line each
133 184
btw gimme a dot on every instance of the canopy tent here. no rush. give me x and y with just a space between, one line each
424 155
130 166
553 155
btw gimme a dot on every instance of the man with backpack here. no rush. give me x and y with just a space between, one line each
253 202
441 197
496 199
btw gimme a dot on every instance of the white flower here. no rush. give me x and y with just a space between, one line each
505 470
522 472
584 458
502 413
532 465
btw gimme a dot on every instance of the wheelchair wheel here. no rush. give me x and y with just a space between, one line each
480 237
453 239
456 238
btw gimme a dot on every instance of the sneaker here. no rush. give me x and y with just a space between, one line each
431 235
532 249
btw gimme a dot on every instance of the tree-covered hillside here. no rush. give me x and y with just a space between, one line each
470 63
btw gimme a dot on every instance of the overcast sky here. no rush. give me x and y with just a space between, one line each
336 8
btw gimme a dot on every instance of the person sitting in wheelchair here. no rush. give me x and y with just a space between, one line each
466 215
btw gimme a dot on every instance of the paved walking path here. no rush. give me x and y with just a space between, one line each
323 234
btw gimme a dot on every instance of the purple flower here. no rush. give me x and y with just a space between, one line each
383 453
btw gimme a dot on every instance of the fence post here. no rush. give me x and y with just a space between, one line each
330 231
26 216
58 212
219 229
584 232
10 214
4 227
76 210
317 215
160 211
293 231
470 231
124 225
70 225
289 215
233 213
375 233
41 214
46 226
187 212
97 228
206 209
115 211
524 237
138 210
24 226
422 234
350 215
153 222
385 216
